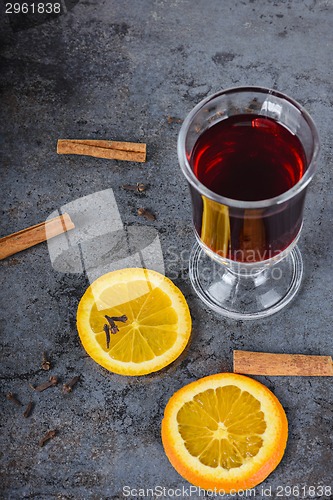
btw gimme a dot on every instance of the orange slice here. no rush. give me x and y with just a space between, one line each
225 431
158 325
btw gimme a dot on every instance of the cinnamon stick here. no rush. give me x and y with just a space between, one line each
264 363
33 235
112 150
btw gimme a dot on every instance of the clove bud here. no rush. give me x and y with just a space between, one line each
66 388
28 409
49 435
173 119
139 187
144 212
113 327
106 329
45 385
11 397
46 365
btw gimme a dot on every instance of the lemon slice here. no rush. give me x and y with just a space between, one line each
158 325
225 431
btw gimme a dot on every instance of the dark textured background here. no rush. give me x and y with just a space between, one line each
118 70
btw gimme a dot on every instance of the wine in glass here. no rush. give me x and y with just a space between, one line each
248 154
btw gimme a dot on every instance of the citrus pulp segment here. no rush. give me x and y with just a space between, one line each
157 328
224 431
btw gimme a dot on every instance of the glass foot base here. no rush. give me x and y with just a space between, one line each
245 296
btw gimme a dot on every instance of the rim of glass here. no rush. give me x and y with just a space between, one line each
191 178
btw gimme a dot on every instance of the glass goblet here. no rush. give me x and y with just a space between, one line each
248 154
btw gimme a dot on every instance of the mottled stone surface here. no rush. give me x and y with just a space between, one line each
118 69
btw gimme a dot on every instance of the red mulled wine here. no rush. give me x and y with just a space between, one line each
248 158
